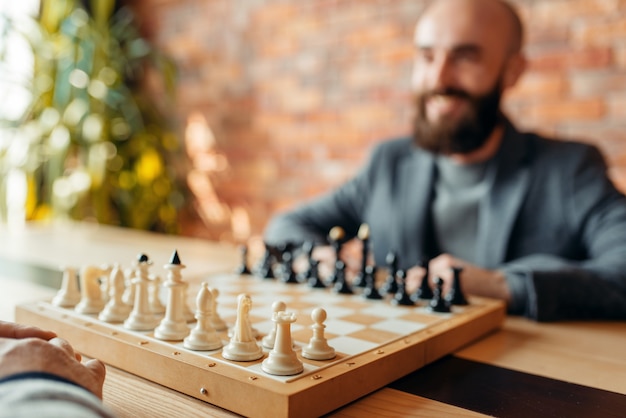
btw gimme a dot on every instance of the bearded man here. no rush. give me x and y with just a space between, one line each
532 221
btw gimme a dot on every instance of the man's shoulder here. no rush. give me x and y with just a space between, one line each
393 148
556 146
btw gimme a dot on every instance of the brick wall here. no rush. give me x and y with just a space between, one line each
280 100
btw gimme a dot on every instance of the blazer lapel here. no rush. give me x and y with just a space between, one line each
415 196
509 177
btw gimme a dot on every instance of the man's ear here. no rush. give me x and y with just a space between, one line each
515 67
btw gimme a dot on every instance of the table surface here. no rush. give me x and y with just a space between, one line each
589 353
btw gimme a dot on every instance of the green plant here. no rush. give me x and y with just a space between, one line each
93 143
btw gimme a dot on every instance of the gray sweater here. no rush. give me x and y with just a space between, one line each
45 396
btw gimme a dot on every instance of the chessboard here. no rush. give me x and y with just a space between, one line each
376 342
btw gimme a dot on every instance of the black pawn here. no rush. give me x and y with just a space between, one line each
455 296
265 269
438 303
370 291
401 297
314 279
391 285
307 248
424 291
243 267
341 285
359 280
288 275
143 259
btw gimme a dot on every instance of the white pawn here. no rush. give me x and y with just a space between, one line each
243 345
129 293
173 326
318 348
268 340
217 322
203 336
141 318
282 360
155 301
68 295
91 300
105 283
115 310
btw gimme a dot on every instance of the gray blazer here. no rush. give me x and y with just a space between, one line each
552 221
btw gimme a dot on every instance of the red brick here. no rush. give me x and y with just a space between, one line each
600 32
566 58
616 107
539 85
368 35
597 83
560 111
620 56
564 11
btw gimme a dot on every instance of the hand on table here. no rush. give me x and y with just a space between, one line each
30 349
474 280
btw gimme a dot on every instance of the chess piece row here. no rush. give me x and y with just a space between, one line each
278 262
172 325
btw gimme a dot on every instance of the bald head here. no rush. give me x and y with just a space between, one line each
497 14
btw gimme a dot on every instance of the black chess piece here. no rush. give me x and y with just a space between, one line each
341 284
243 267
363 234
335 237
438 303
307 248
391 285
288 275
455 296
370 291
265 268
314 277
424 291
401 297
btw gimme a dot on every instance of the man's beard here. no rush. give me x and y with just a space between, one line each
464 135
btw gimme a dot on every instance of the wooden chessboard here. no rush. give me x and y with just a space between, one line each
376 343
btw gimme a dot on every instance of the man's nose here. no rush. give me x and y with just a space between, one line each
441 74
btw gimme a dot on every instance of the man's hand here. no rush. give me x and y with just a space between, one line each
30 349
12 330
474 280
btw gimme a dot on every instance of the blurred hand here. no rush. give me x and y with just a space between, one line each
30 349
351 254
474 280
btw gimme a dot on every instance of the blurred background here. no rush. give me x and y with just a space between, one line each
205 117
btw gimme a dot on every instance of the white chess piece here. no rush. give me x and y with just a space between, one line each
217 322
268 340
282 360
203 336
318 348
141 318
105 282
243 345
129 293
115 310
173 326
155 301
68 295
91 300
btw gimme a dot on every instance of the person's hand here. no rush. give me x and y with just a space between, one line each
29 349
474 280
351 255
12 330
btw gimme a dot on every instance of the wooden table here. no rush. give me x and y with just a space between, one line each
591 354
